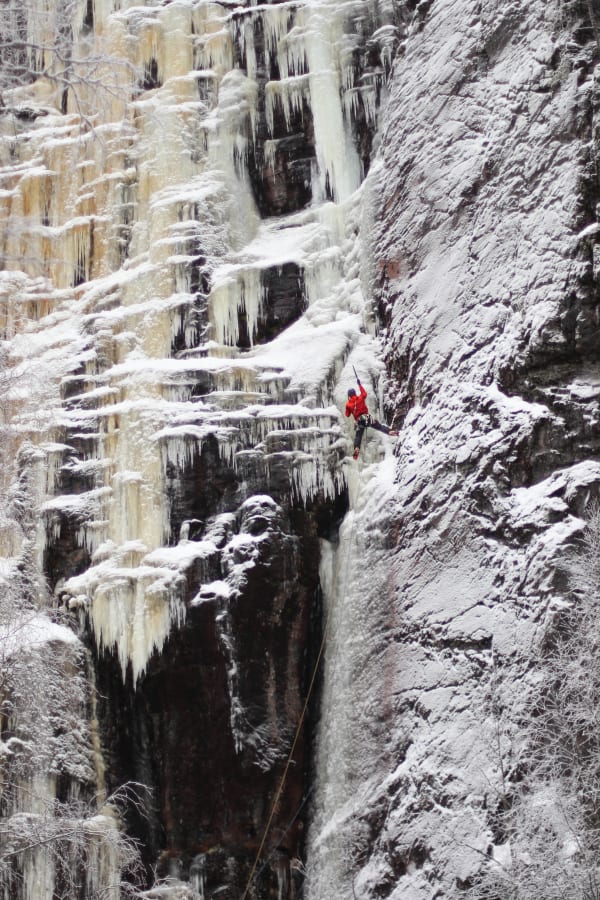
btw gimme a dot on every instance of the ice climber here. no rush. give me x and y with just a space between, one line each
357 407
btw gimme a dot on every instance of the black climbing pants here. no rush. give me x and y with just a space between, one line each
367 422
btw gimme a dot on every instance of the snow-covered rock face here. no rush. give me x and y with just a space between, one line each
486 249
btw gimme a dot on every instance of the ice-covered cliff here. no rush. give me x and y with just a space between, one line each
183 199
211 212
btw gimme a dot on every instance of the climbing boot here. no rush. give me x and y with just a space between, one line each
356 452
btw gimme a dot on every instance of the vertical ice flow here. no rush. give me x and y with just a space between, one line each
124 231
350 744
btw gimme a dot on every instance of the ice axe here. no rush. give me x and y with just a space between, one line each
356 375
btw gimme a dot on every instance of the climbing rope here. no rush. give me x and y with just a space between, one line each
268 858
289 760
298 728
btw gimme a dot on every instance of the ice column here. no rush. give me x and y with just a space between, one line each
339 165
358 676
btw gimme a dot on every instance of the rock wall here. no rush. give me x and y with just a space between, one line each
487 286
207 728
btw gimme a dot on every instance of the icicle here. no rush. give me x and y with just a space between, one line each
339 166
322 274
97 755
79 251
290 94
198 876
175 53
132 609
291 53
237 112
283 878
103 869
214 44
240 291
36 189
38 874
244 37
179 447
277 23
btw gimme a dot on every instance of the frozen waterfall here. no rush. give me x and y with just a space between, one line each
187 253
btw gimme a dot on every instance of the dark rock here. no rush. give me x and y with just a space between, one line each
284 301
209 726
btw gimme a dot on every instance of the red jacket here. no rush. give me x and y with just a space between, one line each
356 405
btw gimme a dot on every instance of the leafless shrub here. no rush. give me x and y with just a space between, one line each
80 850
548 826
54 825
58 833
53 43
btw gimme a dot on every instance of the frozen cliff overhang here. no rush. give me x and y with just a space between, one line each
199 293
